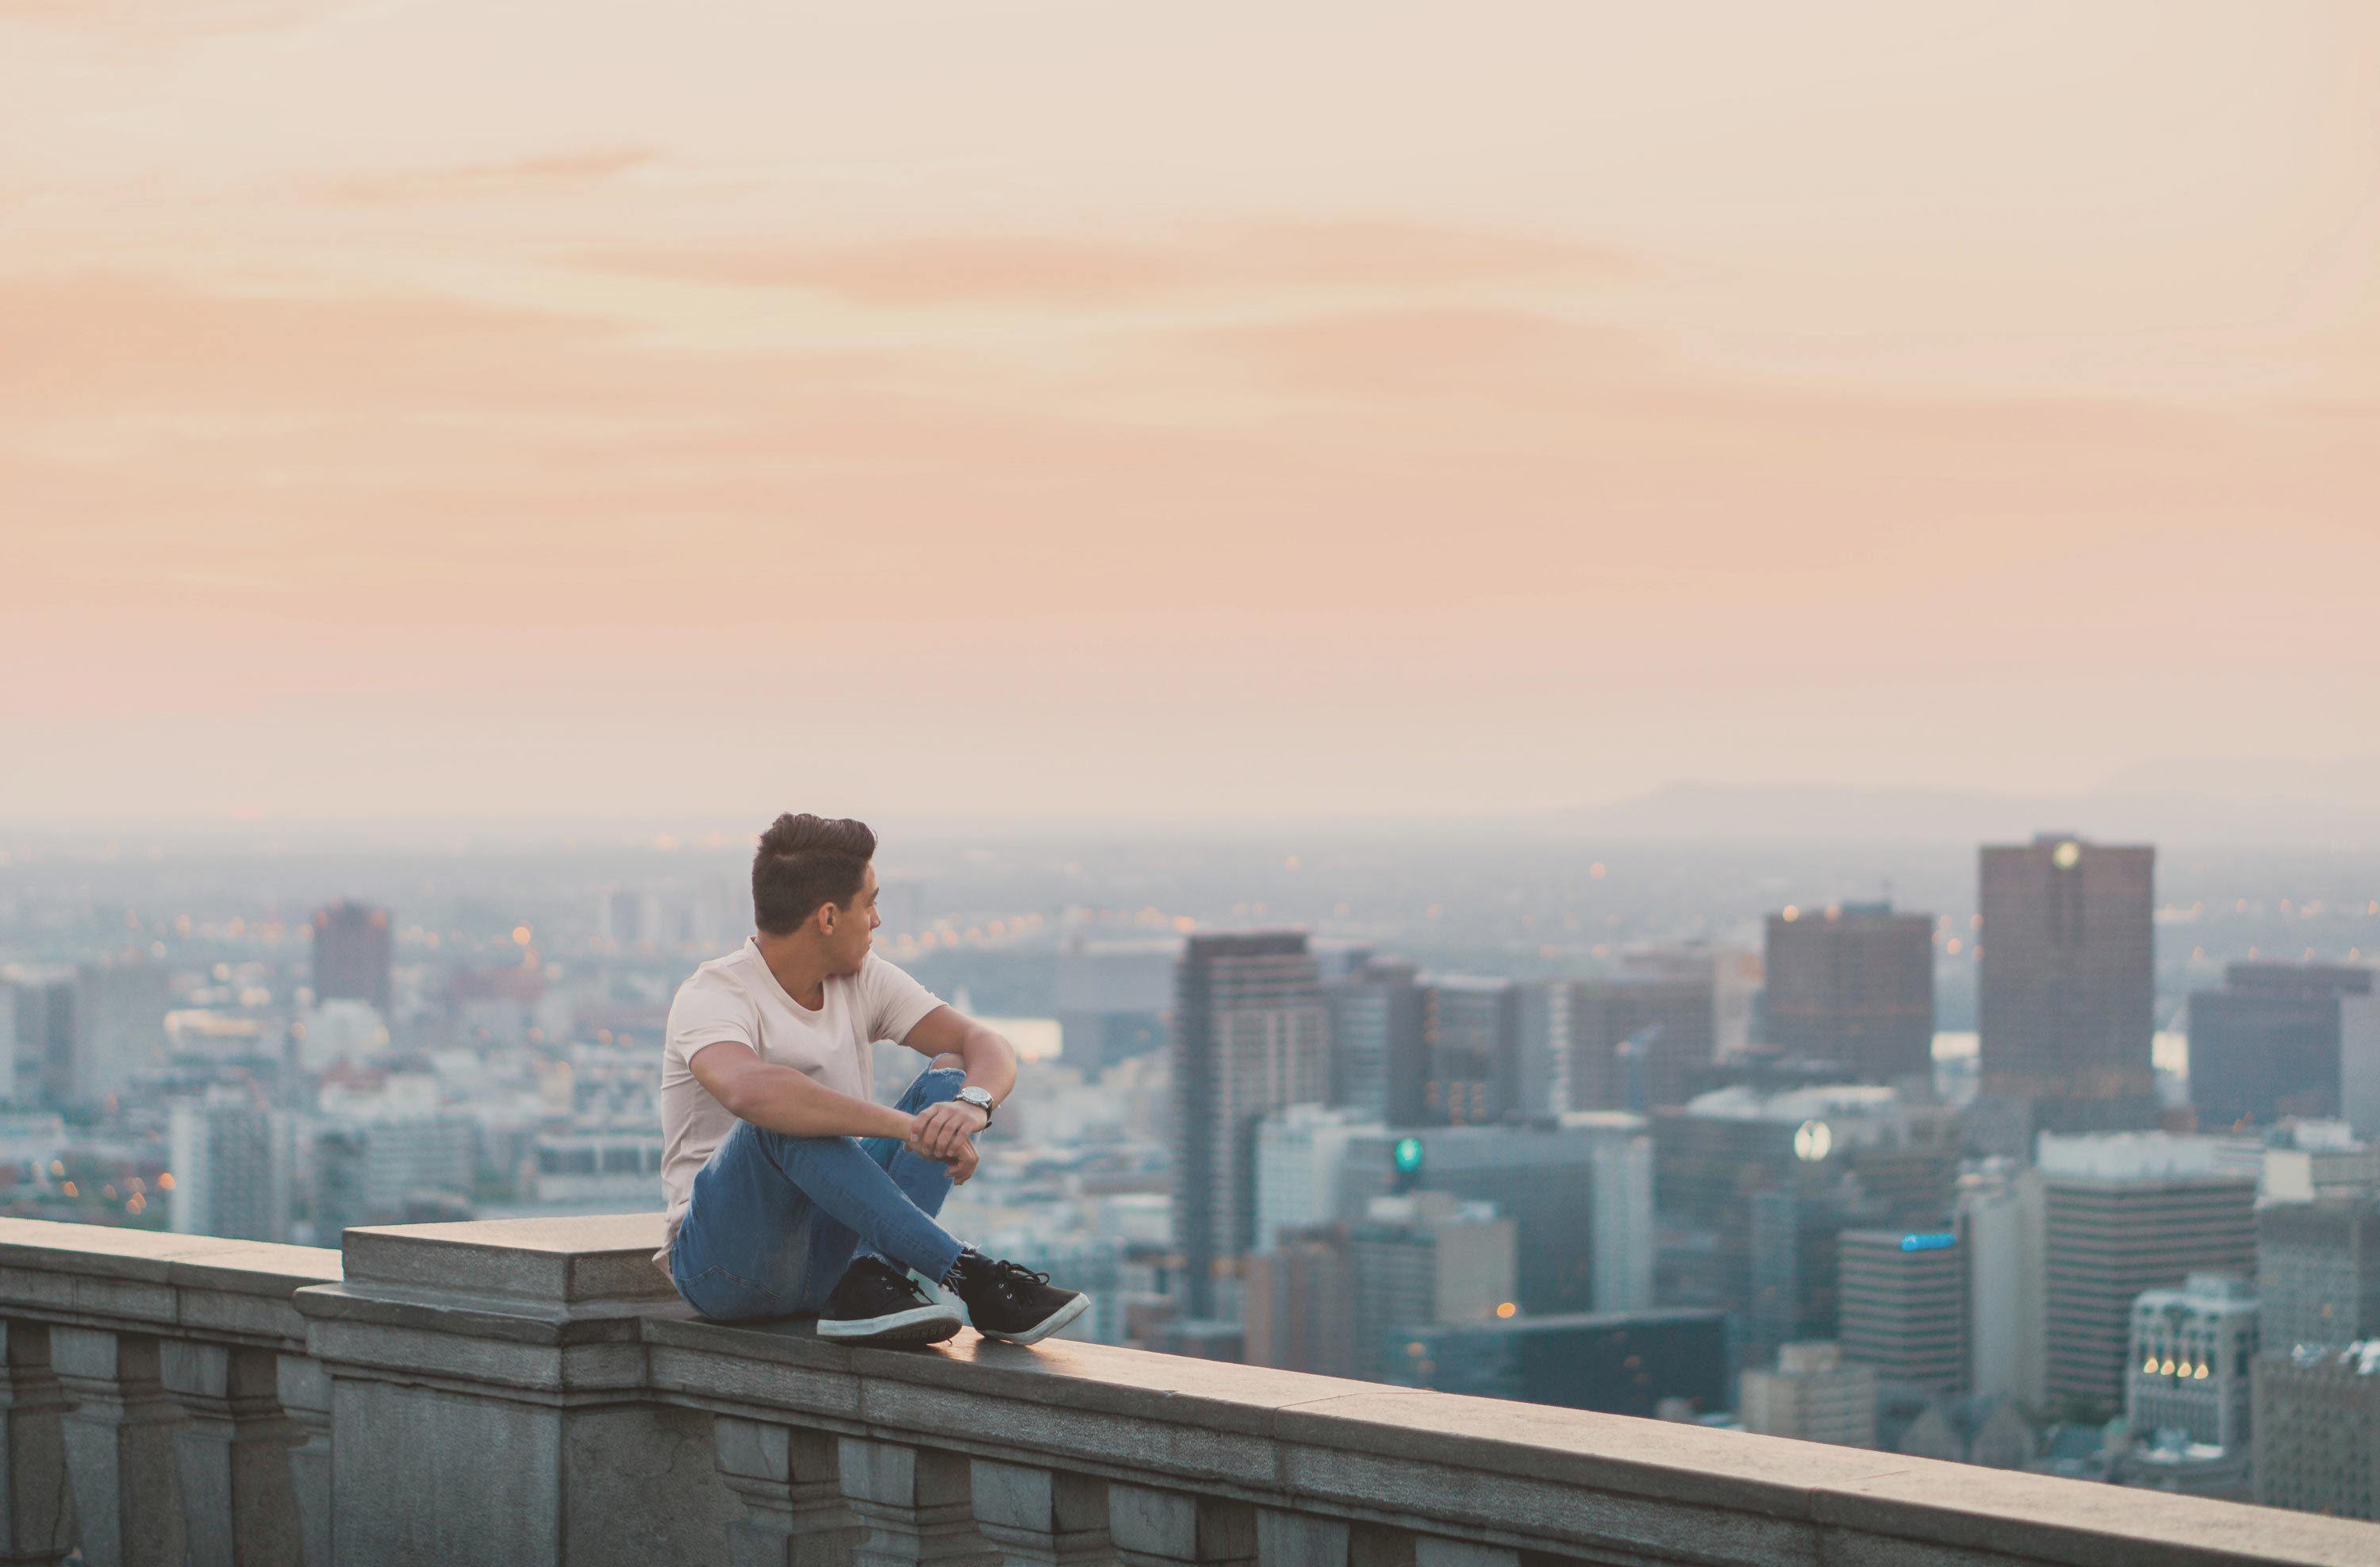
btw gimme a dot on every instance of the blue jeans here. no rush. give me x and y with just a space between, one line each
774 1221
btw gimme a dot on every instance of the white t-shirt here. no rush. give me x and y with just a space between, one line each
736 998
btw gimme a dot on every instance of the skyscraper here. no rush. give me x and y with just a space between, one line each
353 948
2068 1002
1814 1395
2318 1272
1424 1259
1378 1065
1853 985
2123 1214
1251 1034
2268 1044
2318 1418
1636 1043
119 1025
231 1168
1471 1040
1903 1307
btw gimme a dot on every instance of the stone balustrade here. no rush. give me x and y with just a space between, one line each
532 1391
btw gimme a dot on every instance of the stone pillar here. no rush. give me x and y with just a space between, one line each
1158 1529
120 1442
234 1455
36 1509
1300 1539
1045 1517
791 1481
305 1390
917 1504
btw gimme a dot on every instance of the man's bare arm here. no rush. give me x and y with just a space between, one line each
944 1129
778 1098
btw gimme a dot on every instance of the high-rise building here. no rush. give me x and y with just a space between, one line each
353 950
42 1065
2002 1226
1251 1034
1544 1084
1853 985
2318 1272
2268 1044
2188 1371
1752 1186
1903 1307
119 1025
1302 1168
1299 1300
1637 1041
1377 1065
2318 1421
2067 1005
1542 1175
2122 1214
2318 1161
1471 1045
1617 1363
374 1171
1114 999
1814 1395
231 1160
1424 1259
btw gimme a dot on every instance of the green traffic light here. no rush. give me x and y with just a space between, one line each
1408 1154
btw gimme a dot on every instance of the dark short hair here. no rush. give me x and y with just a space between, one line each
806 861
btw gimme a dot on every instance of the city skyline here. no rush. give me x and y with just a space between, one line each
1608 399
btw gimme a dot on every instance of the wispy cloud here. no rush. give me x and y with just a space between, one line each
513 177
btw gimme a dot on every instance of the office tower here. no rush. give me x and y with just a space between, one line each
2318 1272
1114 999
2269 1043
2317 1420
1540 1174
42 1006
2000 1228
1617 1363
1814 1395
1544 1084
1903 1305
2318 1161
1751 1186
2188 1369
2067 997
1299 1303
1637 1041
374 1171
1300 1166
2123 1213
2358 1062
1250 1034
231 1168
1377 1065
119 1026
1853 985
352 952
1424 1259
1471 1051
1620 1210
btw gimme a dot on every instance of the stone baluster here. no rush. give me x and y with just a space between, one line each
790 1481
305 1390
234 1455
1159 1528
917 1504
120 1442
1042 1517
36 1509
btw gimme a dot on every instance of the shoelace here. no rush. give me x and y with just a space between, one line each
1011 1277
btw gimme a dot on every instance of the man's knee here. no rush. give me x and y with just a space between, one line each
940 1083
947 1063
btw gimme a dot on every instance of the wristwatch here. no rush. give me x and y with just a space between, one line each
980 1097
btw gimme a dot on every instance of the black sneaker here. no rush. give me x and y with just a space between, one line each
877 1303
1005 1301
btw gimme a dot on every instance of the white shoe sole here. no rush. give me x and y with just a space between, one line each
921 1325
1047 1326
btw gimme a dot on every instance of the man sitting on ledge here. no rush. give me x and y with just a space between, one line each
790 1190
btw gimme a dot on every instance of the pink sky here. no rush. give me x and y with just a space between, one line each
438 407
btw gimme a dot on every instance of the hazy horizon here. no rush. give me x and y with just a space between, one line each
1060 412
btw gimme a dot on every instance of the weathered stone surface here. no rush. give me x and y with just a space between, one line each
119 1440
790 1481
36 1505
559 1261
421 1475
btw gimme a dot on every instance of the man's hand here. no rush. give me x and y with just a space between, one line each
946 1131
962 1166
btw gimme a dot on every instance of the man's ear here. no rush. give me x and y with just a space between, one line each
824 918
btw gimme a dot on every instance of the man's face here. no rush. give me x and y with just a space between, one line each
854 928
